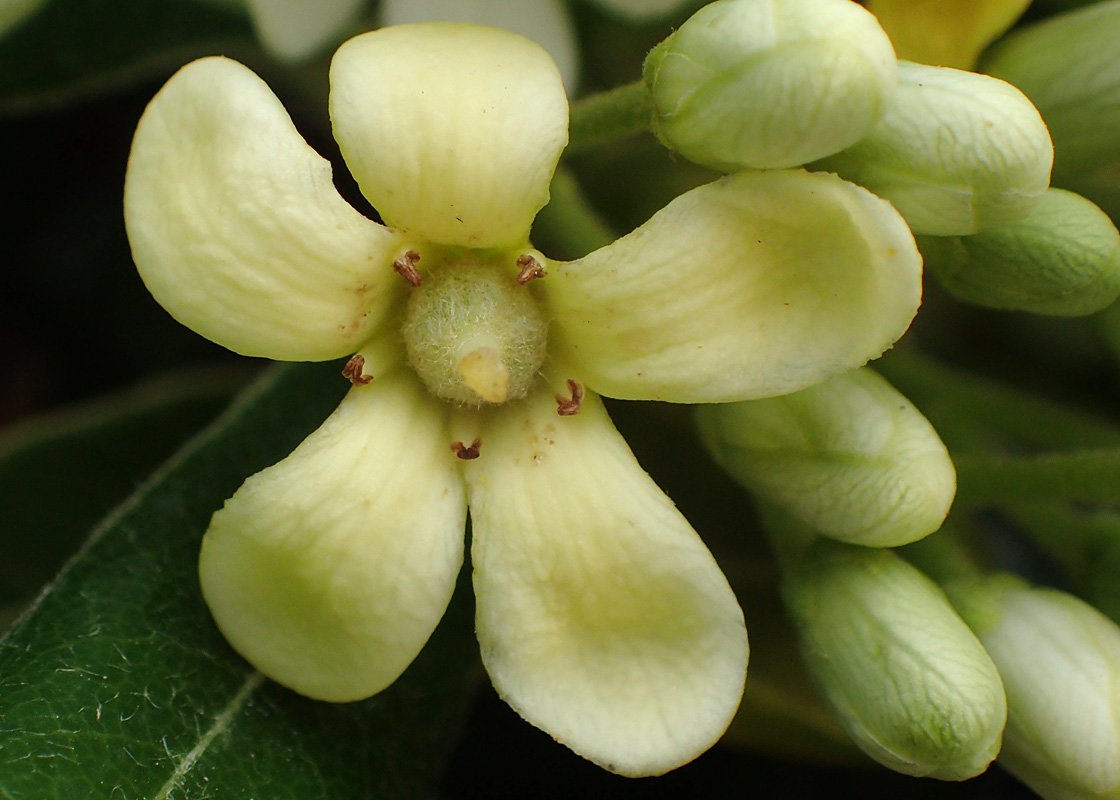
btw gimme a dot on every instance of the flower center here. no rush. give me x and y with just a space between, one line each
474 333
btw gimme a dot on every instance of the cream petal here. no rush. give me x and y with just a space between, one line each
330 570
236 227
756 285
295 29
452 130
602 617
546 22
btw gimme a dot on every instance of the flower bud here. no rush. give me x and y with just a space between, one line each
1063 259
955 152
850 457
748 83
903 674
1069 66
1060 662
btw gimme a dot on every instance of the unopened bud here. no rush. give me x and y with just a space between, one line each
1069 66
1060 662
850 457
955 152
904 675
769 84
1063 259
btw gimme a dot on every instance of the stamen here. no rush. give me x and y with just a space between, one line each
467 453
406 266
570 406
353 371
530 269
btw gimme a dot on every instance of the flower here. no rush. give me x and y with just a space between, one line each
601 616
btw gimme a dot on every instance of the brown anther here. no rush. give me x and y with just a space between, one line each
353 371
406 266
570 406
467 453
530 269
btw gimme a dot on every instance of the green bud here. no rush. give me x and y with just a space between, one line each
956 152
1060 662
1069 66
904 675
850 457
770 84
1063 259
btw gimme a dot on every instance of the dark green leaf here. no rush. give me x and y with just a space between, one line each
117 684
64 471
76 47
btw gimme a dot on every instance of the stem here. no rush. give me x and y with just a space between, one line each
1091 476
569 224
964 407
613 114
944 555
1072 536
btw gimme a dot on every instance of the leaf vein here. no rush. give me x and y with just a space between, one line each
220 726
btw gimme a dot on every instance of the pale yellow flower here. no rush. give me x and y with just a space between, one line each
601 616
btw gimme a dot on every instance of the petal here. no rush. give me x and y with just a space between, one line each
602 617
759 284
295 29
452 130
236 227
546 22
330 570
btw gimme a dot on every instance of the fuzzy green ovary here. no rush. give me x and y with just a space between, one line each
473 334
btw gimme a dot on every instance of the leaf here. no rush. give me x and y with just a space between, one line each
62 472
74 48
117 684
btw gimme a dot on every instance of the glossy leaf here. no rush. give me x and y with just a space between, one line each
117 683
63 471
76 48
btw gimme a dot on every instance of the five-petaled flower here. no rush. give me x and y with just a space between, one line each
601 616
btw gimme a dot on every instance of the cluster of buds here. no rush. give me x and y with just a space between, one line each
966 158
927 679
